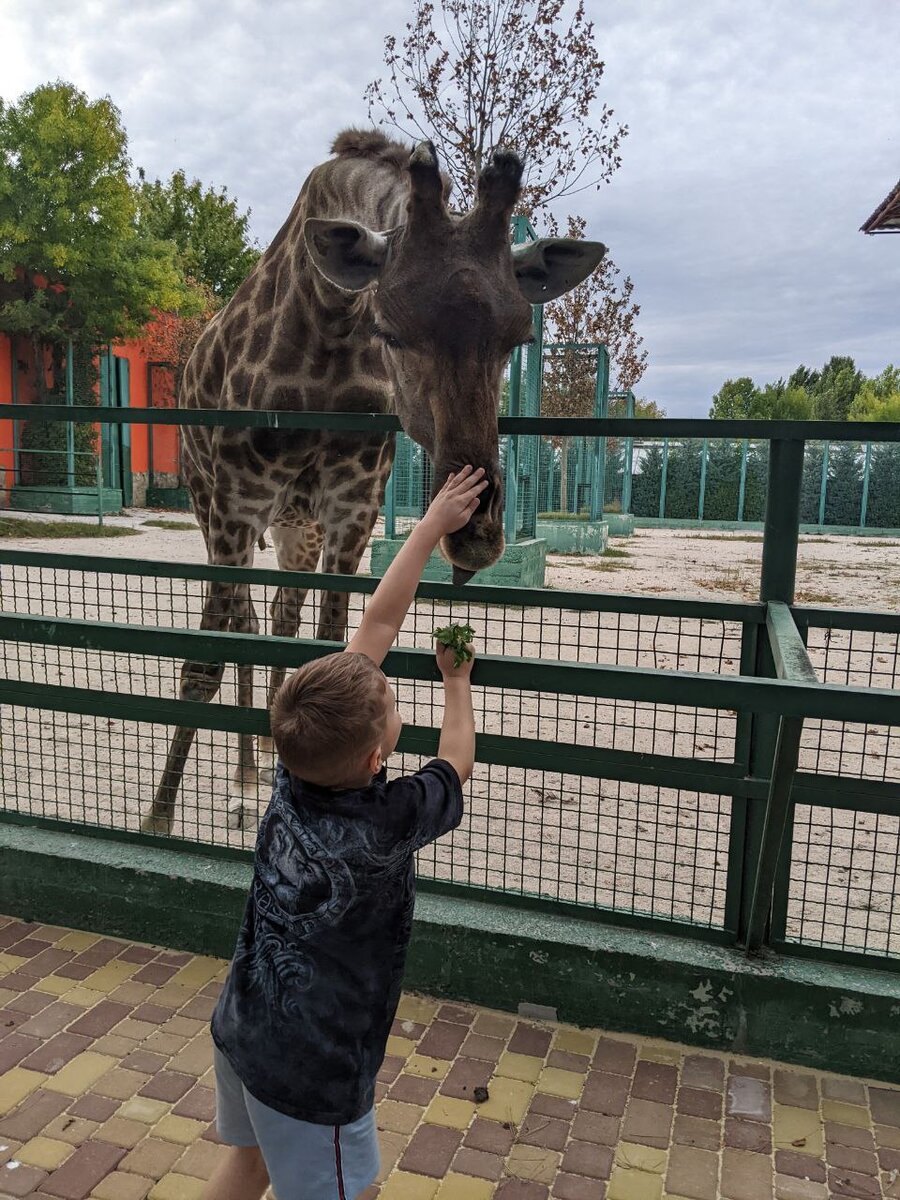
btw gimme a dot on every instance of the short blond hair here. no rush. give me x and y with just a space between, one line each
329 714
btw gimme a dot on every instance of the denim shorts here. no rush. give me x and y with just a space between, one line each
304 1161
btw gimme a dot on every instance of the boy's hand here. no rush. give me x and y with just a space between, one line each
447 664
453 506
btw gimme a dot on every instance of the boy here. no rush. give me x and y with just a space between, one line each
301 1026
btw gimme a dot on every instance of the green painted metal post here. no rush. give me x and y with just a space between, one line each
864 502
511 499
390 516
823 484
601 409
14 396
662 482
704 458
742 489
70 428
766 735
628 470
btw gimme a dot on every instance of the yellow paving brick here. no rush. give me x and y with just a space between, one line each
431 1068
178 1187
45 1152
77 940
163 1043
116 1046
105 979
798 1129
121 1132
465 1187
401 1047
73 1130
634 1185
185 1026
80 1073
197 973
846 1114
138 1031
142 1108
195 1058
172 995
391 1145
631 1155
200 1160
10 962
398 1117
122 1186
49 933
403 1185
554 1082
446 1110
15 1085
83 997
509 1100
53 985
415 1008
181 1130
7 994
120 1083
152 1157
534 1163
575 1041
658 1052
132 992
519 1066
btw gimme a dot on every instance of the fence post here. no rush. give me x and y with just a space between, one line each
662 482
765 757
510 511
14 397
601 409
823 485
864 502
742 489
704 455
70 426
390 515
629 456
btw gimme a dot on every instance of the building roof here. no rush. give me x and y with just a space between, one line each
886 217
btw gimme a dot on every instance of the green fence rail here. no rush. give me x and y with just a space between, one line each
726 771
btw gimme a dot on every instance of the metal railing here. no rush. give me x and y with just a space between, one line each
726 771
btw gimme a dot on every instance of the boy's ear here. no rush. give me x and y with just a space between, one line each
374 761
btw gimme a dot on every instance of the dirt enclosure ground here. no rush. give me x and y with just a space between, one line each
639 848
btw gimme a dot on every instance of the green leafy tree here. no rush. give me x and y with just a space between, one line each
735 401
837 386
72 261
878 399
210 232
741 400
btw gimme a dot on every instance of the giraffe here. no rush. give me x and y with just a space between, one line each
373 297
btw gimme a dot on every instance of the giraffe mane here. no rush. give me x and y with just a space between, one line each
372 144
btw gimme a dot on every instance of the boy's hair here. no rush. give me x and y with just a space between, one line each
328 715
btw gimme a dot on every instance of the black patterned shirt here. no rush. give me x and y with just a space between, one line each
315 981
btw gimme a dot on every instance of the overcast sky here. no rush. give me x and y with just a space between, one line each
762 134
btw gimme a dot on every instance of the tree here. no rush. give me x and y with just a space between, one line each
741 400
473 75
210 233
878 399
837 387
736 400
72 262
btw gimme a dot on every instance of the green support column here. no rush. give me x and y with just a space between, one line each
511 499
390 521
823 484
662 482
14 396
70 428
781 531
864 502
742 490
601 409
629 456
704 457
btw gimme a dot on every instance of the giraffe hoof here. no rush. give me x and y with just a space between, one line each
156 823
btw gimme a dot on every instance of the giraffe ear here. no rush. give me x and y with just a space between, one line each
348 254
551 267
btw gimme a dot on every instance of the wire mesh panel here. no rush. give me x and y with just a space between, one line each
564 836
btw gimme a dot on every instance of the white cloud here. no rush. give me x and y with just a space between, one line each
761 136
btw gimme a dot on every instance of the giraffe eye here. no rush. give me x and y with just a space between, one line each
388 338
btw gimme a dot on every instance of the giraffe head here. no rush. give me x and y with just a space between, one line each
452 300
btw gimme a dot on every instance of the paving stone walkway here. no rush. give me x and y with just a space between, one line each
106 1091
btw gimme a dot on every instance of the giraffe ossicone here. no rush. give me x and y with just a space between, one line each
372 297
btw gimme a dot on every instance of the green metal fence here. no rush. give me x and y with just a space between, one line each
726 771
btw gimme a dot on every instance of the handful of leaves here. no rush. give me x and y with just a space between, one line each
457 638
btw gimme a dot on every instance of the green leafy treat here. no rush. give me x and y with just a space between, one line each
457 637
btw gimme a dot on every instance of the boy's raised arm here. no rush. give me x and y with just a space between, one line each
450 510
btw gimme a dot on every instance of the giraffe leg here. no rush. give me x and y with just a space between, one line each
297 549
200 681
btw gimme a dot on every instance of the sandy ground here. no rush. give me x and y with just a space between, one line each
638 848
